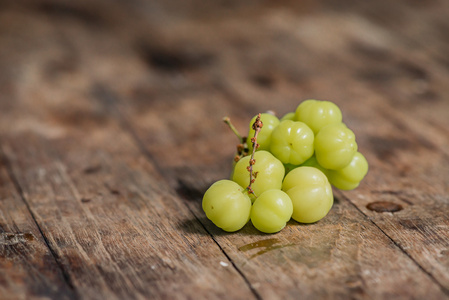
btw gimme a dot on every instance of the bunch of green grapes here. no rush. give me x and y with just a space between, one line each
285 169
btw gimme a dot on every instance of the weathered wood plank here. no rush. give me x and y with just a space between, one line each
117 231
300 251
410 163
426 255
182 76
114 225
28 268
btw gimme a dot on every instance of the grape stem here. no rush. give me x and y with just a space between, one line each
257 126
227 120
242 149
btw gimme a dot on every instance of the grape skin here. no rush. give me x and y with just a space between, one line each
310 192
289 116
335 146
317 114
271 211
292 142
264 138
270 172
303 175
350 176
227 205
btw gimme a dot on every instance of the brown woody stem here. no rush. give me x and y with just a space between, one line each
257 126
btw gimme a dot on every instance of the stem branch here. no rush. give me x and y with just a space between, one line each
257 126
227 120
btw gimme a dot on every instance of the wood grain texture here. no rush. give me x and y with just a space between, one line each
110 132
114 230
28 267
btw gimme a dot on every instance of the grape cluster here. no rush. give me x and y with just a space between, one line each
285 169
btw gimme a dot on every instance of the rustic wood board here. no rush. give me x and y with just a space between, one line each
28 267
110 132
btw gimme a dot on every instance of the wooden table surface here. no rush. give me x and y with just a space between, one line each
111 131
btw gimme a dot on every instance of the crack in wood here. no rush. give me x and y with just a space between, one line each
127 127
396 244
56 258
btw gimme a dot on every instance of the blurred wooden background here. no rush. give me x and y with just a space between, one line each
110 132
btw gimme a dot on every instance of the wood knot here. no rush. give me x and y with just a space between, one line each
9 238
384 206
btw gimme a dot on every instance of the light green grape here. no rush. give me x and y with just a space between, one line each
317 114
271 211
289 116
227 205
335 146
269 169
310 192
350 176
264 137
292 142
303 176
312 162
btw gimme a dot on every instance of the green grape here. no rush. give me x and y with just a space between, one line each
317 114
289 116
269 169
303 175
227 205
264 138
271 211
312 162
350 176
335 146
292 142
310 192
